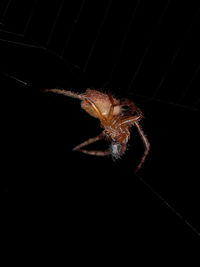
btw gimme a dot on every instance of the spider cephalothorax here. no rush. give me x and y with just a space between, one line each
115 121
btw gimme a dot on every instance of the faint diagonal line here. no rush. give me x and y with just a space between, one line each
6 9
72 29
189 84
124 39
30 16
149 44
149 98
69 64
139 66
16 79
165 73
98 34
189 225
22 44
175 54
55 22
12 33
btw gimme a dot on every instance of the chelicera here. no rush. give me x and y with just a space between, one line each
115 120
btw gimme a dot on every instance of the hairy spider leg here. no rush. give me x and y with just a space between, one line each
66 93
94 139
92 152
130 120
91 140
146 145
77 96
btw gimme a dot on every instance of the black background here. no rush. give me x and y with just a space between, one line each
148 52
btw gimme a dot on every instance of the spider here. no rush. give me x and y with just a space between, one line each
114 119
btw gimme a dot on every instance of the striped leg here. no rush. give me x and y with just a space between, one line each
146 145
92 152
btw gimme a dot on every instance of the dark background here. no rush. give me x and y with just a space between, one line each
146 51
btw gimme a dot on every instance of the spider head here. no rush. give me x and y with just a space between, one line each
115 149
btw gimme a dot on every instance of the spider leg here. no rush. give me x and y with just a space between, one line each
66 93
96 152
92 152
130 120
146 144
77 96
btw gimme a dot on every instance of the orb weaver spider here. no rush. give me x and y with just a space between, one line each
115 121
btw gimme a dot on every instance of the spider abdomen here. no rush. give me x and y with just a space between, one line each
101 101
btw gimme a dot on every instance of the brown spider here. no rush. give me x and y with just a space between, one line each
115 121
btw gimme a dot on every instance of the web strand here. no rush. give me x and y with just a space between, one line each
98 34
22 44
30 17
54 23
175 56
72 29
149 44
150 188
16 79
184 93
5 11
124 40
94 41
189 225
149 98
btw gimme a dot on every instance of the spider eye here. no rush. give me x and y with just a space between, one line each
115 150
